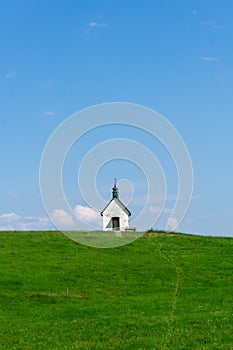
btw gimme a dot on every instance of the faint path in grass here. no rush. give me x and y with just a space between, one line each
170 327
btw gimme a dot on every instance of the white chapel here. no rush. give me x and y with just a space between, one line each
115 214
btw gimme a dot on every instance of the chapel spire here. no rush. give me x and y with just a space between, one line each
115 190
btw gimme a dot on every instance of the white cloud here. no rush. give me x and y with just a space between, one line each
87 215
212 24
96 24
172 224
61 218
9 216
93 26
194 12
11 74
12 221
167 210
209 58
49 113
154 209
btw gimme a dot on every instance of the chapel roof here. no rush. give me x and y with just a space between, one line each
115 198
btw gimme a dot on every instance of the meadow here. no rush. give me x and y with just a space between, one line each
162 291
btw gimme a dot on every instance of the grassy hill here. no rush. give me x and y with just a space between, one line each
163 291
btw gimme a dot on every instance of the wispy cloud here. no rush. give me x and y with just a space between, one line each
96 24
167 210
93 26
10 74
9 216
194 12
212 24
49 113
12 221
154 209
209 58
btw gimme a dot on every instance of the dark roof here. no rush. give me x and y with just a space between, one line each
120 203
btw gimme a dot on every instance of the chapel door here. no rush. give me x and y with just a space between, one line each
116 223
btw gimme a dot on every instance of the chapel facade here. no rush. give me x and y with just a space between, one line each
115 214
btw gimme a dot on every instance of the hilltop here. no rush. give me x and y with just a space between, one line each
163 291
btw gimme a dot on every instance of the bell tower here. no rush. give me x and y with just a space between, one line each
115 191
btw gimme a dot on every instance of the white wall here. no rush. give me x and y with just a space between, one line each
114 210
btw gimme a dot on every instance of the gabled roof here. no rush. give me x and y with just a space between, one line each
117 200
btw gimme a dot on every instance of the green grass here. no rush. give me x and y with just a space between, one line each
163 291
103 239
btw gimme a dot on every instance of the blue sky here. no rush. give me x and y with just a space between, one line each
58 57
